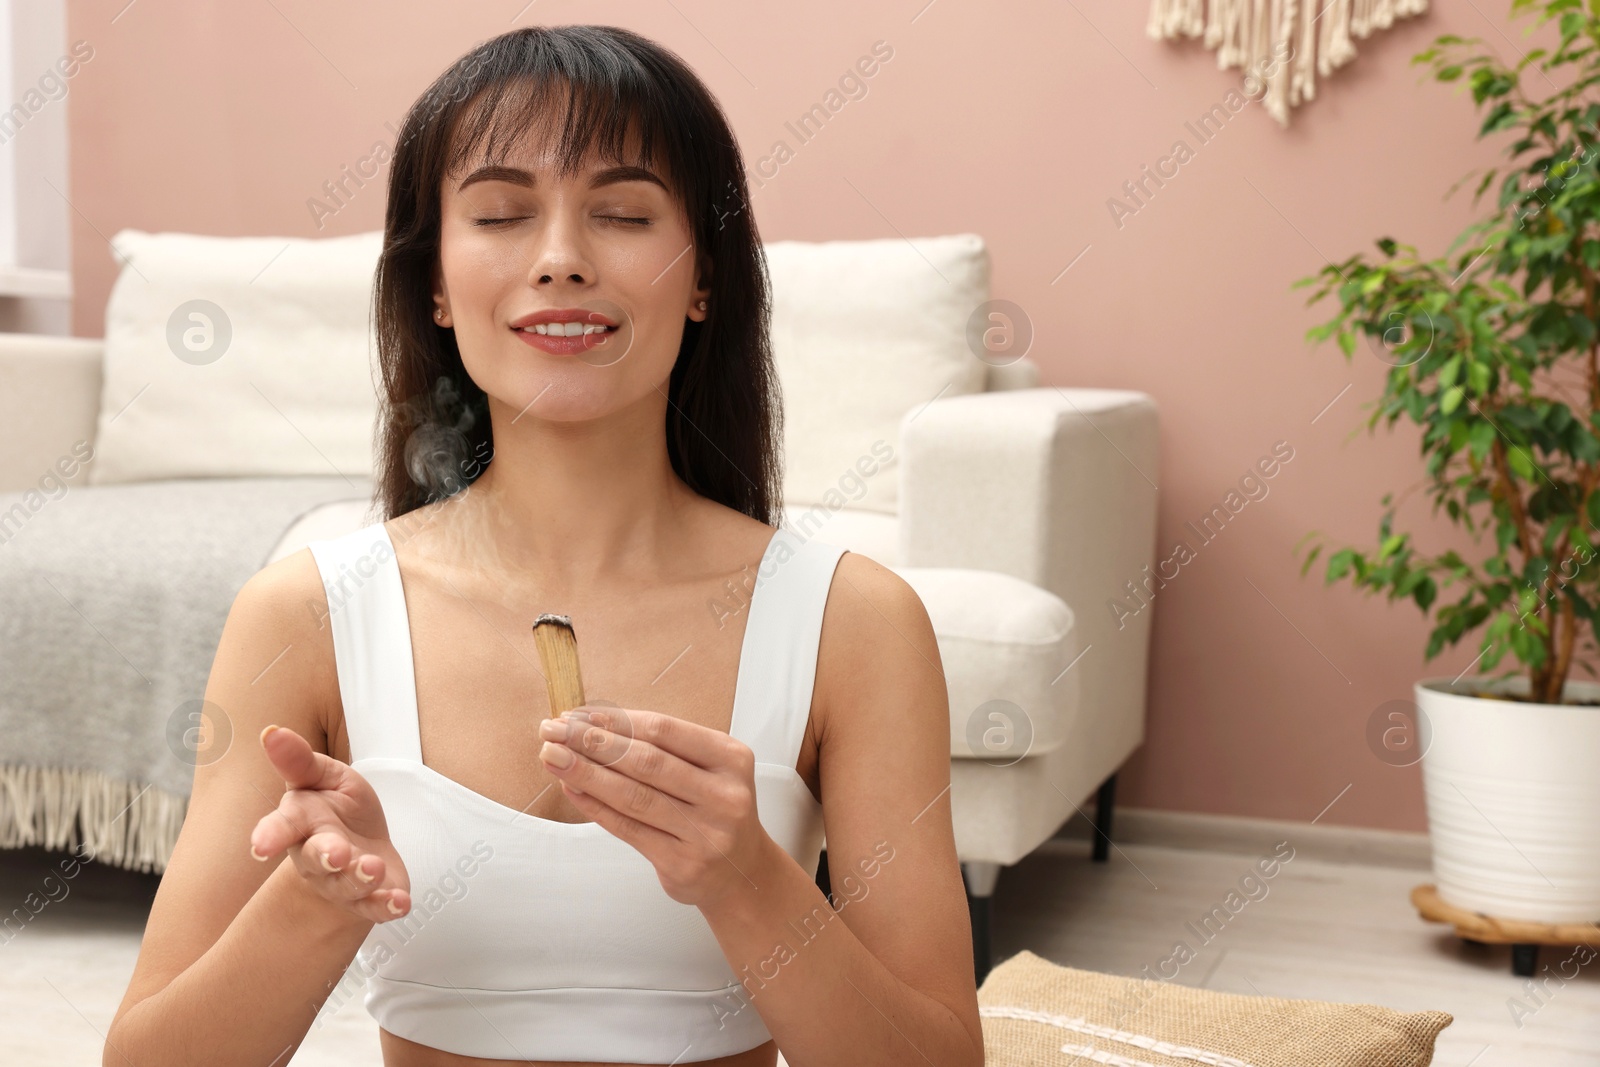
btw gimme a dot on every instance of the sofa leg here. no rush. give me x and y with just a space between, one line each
1103 803
980 879
982 958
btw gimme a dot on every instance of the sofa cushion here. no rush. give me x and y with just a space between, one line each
325 522
1034 1011
237 356
871 533
1005 645
864 333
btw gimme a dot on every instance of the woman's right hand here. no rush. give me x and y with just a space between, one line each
332 825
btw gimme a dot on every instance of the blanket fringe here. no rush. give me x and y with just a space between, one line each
93 814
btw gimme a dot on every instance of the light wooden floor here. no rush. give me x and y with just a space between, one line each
1325 930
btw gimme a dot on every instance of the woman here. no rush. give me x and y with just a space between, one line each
640 886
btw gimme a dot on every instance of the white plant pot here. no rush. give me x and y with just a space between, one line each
1513 796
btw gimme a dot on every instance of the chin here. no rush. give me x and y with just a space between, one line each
563 398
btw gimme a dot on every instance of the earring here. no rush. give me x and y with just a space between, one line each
702 305
438 313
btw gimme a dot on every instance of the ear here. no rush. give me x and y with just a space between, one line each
441 299
701 292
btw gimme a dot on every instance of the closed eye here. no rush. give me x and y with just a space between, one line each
609 218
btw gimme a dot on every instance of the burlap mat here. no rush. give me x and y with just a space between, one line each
1040 1014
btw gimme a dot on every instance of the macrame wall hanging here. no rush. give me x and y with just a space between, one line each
1281 45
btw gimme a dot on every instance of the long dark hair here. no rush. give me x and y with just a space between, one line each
590 85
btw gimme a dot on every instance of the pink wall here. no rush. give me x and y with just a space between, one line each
1016 121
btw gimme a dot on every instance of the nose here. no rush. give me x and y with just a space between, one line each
560 253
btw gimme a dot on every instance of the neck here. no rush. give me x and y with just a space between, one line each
575 504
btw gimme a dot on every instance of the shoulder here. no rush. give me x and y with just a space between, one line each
285 595
277 632
877 639
866 596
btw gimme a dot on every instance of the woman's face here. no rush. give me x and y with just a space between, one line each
611 243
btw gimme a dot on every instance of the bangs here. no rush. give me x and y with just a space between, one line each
603 112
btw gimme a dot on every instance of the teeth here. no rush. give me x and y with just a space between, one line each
565 329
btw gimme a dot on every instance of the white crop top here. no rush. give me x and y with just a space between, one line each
534 939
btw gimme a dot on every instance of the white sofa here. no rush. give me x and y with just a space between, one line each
1022 515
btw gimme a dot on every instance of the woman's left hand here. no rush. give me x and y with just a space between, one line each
682 794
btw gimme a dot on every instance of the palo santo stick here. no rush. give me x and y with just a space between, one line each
558 652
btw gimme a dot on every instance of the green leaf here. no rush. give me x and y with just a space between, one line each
1478 378
1501 116
1448 372
1339 564
1451 400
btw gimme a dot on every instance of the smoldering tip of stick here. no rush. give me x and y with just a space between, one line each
558 653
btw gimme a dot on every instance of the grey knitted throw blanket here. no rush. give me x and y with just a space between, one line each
112 601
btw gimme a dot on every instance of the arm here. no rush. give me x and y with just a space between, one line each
884 975
239 955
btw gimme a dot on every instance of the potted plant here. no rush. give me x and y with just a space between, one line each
1494 352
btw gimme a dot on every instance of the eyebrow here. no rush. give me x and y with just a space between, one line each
526 179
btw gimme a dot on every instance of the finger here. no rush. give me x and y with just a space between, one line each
385 905
376 901
279 828
327 854
648 839
643 762
624 795
336 868
689 741
297 763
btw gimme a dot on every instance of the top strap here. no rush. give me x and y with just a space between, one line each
371 643
778 664
377 674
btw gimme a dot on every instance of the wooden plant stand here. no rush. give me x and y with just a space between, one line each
1522 935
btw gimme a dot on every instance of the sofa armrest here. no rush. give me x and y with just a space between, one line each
1056 487
49 404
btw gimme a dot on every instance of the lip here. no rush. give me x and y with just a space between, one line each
584 315
563 346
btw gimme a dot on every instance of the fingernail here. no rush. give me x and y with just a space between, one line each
555 729
362 874
329 866
258 855
271 726
394 909
560 755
